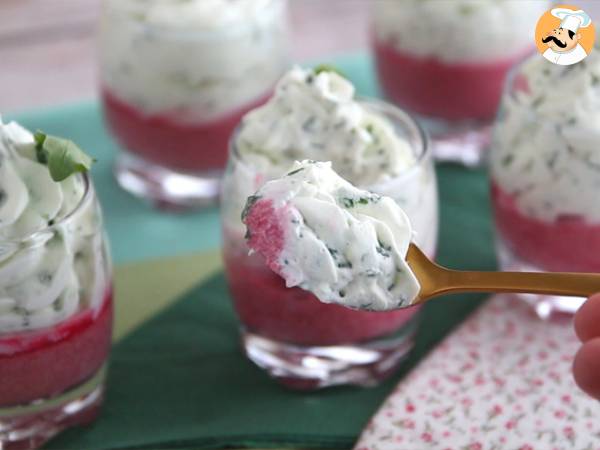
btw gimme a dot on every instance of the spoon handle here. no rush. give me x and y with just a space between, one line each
554 283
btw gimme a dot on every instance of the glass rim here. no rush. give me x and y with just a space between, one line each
83 201
513 73
192 33
422 154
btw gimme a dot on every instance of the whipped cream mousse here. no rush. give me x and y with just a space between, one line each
177 76
314 115
545 166
345 245
55 284
449 59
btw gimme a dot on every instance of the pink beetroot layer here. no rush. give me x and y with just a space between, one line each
267 307
45 363
161 139
432 87
567 244
266 232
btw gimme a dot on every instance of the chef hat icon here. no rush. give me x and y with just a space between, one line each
572 20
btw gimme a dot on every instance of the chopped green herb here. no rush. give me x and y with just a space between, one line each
382 251
295 171
538 101
370 273
345 265
249 203
63 157
466 10
328 68
348 202
508 159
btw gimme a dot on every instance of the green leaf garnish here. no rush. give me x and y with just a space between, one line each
328 68
62 156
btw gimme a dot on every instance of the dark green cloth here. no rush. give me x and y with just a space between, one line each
180 381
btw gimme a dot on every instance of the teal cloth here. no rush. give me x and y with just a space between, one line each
180 381
138 232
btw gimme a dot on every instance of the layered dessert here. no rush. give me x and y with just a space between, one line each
55 286
449 59
176 77
314 115
346 245
545 166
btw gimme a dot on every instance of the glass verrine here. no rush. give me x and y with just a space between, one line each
447 61
545 173
56 313
298 340
175 79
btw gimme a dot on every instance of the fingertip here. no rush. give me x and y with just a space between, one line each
587 319
586 367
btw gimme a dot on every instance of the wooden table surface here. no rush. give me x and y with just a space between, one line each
47 47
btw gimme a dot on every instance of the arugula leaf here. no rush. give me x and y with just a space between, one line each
62 156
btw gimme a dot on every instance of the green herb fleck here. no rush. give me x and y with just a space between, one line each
328 68
62 156
538 101
348 202
249 204
295 171
508 159
466 10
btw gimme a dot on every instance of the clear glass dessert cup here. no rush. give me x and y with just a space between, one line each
172 95
525 239
54 340
455 99
300 341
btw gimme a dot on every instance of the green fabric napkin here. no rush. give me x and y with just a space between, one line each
180 380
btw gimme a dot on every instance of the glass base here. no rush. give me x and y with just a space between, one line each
545 306
314 367
165 188
464 142
28 427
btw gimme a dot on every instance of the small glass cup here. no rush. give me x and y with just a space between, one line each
540 223
298 340
447 62
173 91
56 314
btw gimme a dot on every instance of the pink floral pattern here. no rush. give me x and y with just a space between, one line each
501 381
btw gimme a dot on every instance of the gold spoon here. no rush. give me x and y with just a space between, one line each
436 280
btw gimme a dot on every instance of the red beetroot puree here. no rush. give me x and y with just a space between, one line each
568 244
267 307
160 139
44 363
431 87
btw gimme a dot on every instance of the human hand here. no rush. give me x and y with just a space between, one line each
586 367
